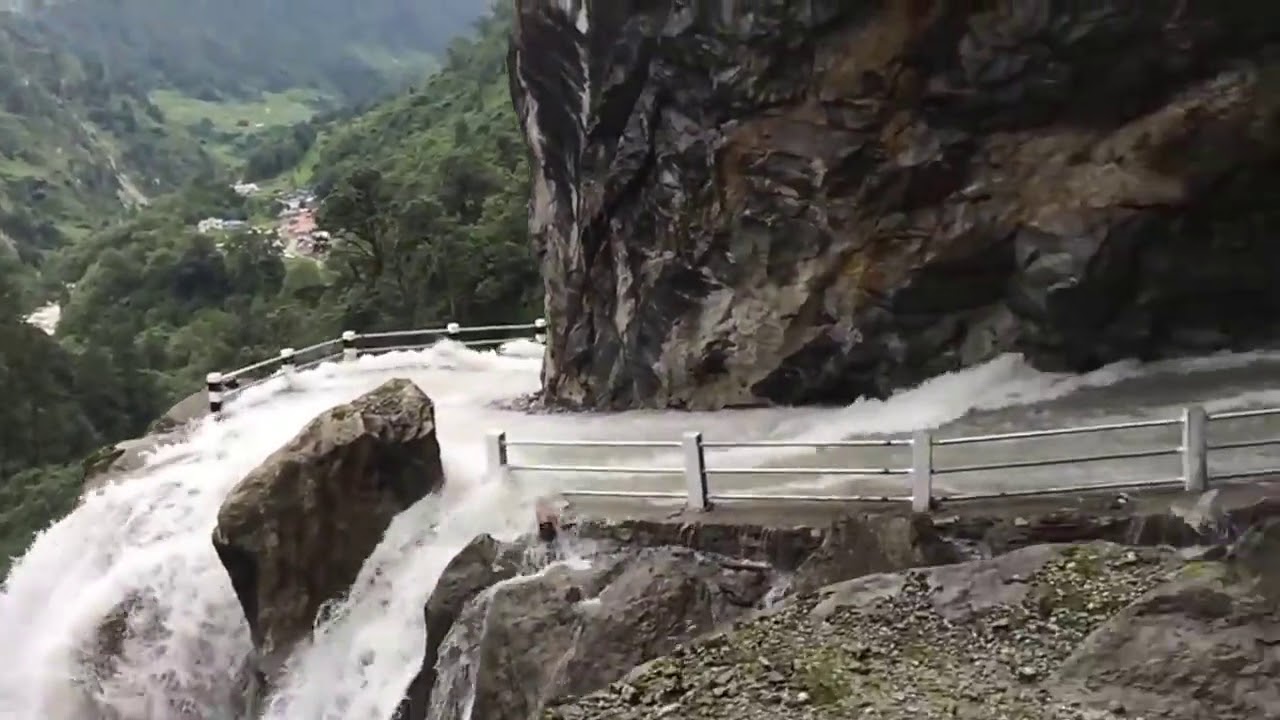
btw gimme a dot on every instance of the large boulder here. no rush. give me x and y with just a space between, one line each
788 202
577 626
295 532
1206 645
186 410
481 564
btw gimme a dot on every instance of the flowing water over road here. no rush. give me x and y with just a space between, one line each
145 542
1002 397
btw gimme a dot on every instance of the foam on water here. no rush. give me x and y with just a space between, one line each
145 543
150 538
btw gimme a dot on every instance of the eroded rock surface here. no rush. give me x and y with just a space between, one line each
574 627
481 564
295 532
121 461
863 545
792 202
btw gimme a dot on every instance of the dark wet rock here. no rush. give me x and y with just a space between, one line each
294 533
888 540
857 610
573 628
112 463
1094 631
183 413
103 461
783 547
868 544
799 202
481 564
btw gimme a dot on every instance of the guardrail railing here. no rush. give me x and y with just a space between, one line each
917 477
918 472
223 386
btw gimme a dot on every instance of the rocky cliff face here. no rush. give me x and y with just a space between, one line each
820 200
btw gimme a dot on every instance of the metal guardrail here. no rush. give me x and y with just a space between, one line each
918 478
222 387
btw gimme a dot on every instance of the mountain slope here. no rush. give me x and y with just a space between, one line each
75 144
100 100
218 48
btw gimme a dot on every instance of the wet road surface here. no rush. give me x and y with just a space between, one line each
834 471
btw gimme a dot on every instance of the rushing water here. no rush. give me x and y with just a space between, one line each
144 544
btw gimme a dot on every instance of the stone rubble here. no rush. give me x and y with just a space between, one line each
903 655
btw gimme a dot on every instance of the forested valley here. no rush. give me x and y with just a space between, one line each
106 175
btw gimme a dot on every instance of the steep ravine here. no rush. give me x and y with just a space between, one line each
815 201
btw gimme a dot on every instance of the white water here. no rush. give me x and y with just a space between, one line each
150 537
46 317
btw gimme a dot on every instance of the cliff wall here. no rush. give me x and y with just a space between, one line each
801 201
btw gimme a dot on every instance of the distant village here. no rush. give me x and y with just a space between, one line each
294 230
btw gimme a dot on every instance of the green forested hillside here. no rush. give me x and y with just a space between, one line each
51 416
425 194
105 103
442 171
76 146
215 49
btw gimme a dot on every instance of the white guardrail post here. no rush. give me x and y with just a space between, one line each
921 471
349 350
1195 449
213 384
540 326
695 472
453 329
288 362
495 451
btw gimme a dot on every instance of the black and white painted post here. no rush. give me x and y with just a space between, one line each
349 350
453 329
540 326
288 363
214 385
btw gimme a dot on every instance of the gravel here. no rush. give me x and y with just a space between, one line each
896 657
